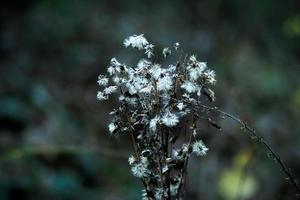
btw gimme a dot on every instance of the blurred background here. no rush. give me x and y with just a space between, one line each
54 142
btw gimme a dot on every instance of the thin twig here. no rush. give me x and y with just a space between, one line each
253 133
131 132
184 169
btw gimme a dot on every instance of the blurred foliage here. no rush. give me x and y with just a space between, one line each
53 136
234 182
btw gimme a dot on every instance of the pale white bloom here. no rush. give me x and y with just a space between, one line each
181 106
196 68
210 76
199 148
171 69
140 169
131 88
170 119
112 127
114 62
137 83
156 71
131 159
149 50
189 87
101 96
143 64
136 41
166 52
111 70
164 84
176 45
196 71
109 90
193 58
114 66
153 123
117 80
147 89
102 80
202 65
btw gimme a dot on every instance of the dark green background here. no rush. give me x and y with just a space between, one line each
54 142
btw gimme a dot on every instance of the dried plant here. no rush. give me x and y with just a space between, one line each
159 108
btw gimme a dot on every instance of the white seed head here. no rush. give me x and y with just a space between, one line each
156 71
170 119
131 160
199 148
101 96
181 106
136 41
102 80
189 87
164 84
153 123
112 127
166 52
109 90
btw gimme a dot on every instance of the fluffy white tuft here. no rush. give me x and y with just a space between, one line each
199 148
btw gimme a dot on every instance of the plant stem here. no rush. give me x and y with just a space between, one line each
252 132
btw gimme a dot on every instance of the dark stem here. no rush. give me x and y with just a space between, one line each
166 156
253 133
184 168
133 141
131 132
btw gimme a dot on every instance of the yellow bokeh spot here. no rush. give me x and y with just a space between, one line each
243 158
235 183
291 26
296 100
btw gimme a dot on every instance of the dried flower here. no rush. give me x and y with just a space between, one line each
166 52
109 90
189 87
153 123
102 80
199 148
136 41
140 169
112 127
176 45
164 84
154 99
131 160
101 96
170 119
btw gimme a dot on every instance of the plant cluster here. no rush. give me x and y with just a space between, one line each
160 108
158 105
